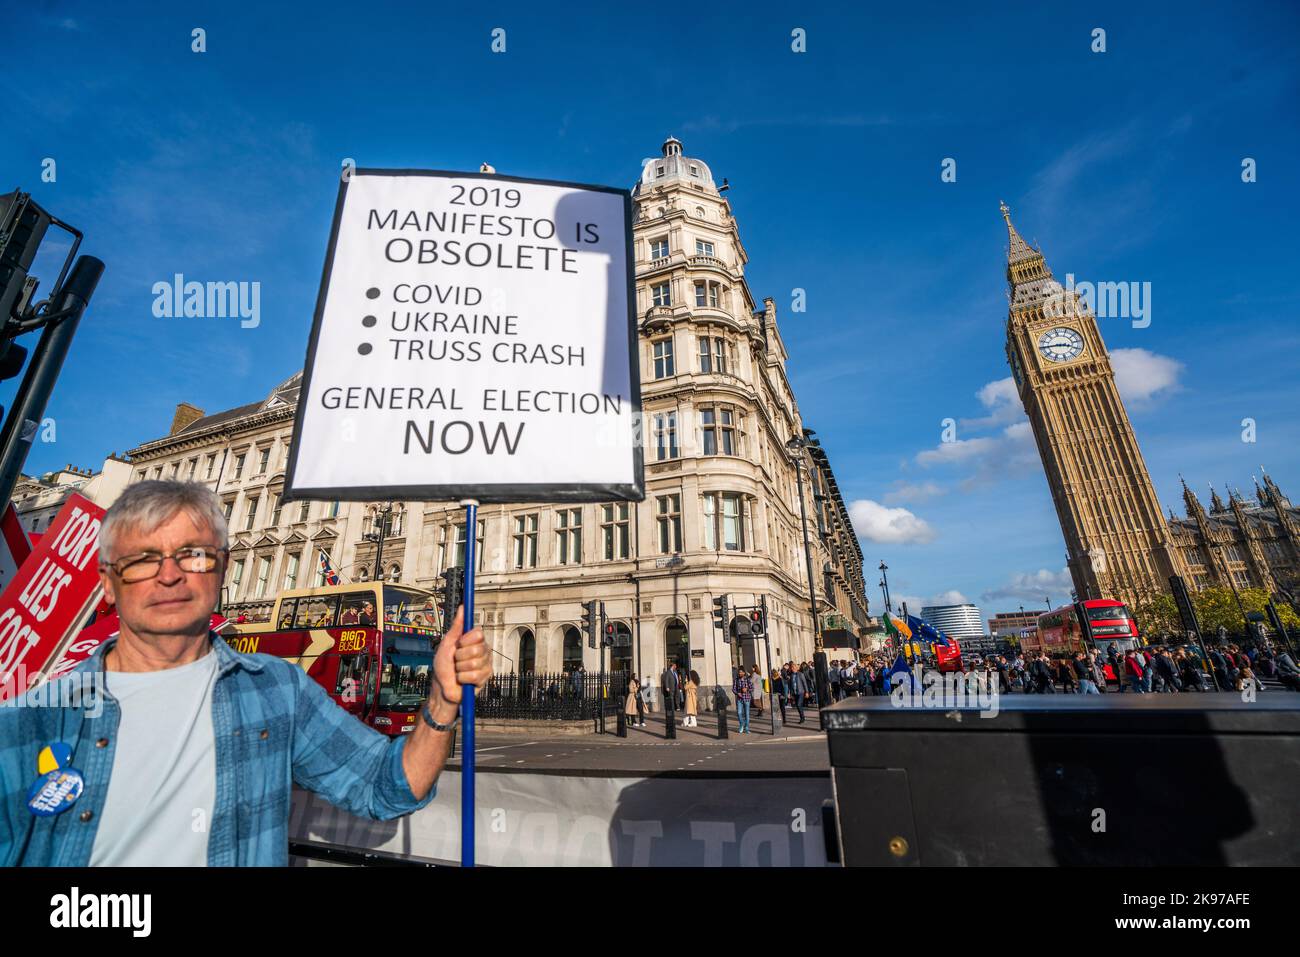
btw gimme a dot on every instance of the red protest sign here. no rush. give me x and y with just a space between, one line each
49 595
15 545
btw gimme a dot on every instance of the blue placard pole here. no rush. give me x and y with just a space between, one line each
467 699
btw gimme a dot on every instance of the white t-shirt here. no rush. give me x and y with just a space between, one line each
158 810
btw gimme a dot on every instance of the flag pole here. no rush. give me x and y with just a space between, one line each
467 692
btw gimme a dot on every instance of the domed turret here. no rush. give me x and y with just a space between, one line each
673 167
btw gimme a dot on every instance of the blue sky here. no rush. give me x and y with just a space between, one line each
1123 166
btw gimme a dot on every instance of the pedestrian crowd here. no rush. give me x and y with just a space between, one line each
1146 670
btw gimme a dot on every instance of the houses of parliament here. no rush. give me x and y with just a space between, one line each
1118 542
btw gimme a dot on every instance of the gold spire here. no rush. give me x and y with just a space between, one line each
1018 249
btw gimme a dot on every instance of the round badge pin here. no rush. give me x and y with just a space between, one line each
54 792
52 757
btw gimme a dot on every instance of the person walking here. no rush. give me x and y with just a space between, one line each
795 688
1287 672
1220 665
668 686
756 677
1066 675
1083 671
1167 671
1116 665
1148 671
633 704
691 687
744 691
1042 675
1133 671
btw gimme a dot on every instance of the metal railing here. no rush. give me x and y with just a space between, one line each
552 696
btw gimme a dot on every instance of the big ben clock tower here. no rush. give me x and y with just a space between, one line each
1117 544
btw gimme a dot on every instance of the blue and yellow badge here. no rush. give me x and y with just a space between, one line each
59 784
56 755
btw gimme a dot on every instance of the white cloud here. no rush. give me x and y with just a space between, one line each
874 522
959 450
915 602
1001 400
913 492
1033 587
1140 374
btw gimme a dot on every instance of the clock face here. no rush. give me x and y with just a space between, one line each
1061 344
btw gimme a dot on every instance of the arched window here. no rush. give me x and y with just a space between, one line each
363 574
527 652
621 652
677 644
572 648
394 572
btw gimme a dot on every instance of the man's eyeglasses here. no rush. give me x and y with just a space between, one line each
199 559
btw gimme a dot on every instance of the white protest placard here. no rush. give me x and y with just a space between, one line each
474 337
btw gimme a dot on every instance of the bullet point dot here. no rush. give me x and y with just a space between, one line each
364 348
369 321
372 293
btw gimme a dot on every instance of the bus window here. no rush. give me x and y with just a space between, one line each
358 610
405 682
1113 613
316 612
354 609
353 671
286 615
403 607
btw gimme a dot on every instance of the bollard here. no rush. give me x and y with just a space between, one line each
670 724
621 730
720 708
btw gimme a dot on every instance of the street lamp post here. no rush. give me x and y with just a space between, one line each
378 536
797 444
884 584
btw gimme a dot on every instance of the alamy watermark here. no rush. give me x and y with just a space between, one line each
78 689
944 690
1105 300
209 300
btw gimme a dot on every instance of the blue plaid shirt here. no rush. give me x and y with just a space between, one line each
274 727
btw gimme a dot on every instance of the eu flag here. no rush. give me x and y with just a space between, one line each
926 631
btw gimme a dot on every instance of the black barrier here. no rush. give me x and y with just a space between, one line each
1072 779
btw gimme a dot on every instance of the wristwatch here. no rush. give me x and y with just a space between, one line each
428 719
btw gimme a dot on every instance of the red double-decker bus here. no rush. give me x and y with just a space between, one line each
1060 633
369 645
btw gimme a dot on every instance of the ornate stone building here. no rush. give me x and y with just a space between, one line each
1243 544
241 454
721 514
38 500
1117 542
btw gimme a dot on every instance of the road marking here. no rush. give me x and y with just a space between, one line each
502 747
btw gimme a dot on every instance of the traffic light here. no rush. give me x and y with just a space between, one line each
757 627
22 227
590 626
609 634
451 595
720 613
